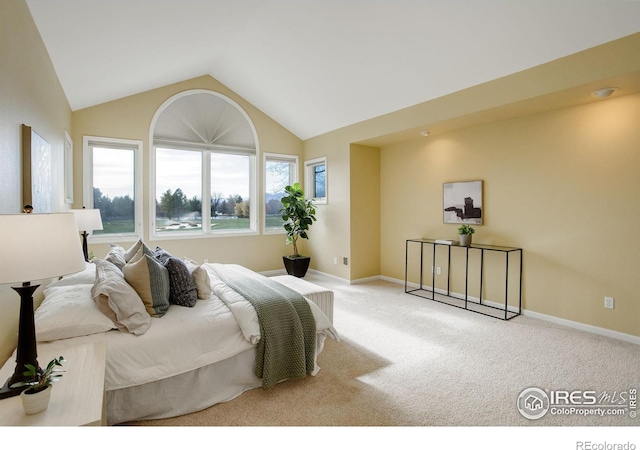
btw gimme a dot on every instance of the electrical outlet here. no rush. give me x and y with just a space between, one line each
608 302
438 270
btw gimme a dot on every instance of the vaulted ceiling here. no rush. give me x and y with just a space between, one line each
316 65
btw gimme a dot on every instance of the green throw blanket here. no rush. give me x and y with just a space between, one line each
287 327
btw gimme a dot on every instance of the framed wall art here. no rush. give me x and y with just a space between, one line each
462 202
37 184
68 168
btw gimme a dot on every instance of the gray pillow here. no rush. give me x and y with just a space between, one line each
183 290
161 255
119 301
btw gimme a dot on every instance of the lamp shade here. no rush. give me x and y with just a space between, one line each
88 219
38 246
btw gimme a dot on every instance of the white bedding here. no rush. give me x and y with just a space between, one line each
213 337
182 340
245 314
220 327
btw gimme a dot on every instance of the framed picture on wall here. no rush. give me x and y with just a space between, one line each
68 168
462 202
37 184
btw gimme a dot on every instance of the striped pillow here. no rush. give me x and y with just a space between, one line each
135 248
150 279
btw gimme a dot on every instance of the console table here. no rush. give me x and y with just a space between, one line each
504 311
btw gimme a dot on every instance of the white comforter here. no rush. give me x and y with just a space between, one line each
185 339
246 315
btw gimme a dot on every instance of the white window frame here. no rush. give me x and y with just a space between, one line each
282 157
138 193
207 150
206 198
309 167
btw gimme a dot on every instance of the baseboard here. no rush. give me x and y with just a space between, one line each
536 315
584 327
327 275
365 280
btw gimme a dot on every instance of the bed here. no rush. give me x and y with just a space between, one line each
183 358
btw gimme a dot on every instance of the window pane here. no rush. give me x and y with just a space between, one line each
319 190
230 187
178 190
278 175
113 189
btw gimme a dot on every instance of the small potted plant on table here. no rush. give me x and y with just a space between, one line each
465 231
36 397
298 214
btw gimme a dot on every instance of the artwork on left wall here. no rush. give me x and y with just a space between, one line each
37 184
68 168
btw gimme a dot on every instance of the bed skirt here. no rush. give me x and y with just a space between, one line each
189 392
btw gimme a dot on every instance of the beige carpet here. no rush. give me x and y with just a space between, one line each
406 361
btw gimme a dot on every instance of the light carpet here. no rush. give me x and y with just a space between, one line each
407 361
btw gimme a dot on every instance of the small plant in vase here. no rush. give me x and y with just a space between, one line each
36 397
465 231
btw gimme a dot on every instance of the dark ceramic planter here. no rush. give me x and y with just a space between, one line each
296 266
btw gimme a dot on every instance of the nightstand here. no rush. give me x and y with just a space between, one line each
78 399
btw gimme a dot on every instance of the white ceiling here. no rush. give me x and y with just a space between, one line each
315 65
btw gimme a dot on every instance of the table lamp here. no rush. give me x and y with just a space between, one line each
88 220
34 247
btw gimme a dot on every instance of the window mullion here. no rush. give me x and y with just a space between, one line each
206 191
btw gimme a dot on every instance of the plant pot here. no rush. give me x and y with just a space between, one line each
36 402
465 240
296 265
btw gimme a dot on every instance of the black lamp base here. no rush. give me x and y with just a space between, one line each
85 247
26 351
7 391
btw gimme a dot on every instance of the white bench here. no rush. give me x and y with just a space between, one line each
317 294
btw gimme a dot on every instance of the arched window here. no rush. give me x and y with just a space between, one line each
203 162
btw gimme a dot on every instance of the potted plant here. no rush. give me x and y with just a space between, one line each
465 231
298 214
36 397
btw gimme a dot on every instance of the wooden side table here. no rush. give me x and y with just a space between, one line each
76 400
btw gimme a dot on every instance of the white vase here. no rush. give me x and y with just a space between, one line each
465 240
36 402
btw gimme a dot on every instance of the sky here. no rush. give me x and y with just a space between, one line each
113 169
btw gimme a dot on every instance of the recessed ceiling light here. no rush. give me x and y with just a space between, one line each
424 132
605 92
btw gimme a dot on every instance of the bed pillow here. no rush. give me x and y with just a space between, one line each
162 255
201 278
117 300
69 311
150 279
130 253
86 276
116 256
183 290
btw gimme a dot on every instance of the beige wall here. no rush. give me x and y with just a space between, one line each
365 212
330 235
558 167
30 94
562 185
130 118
